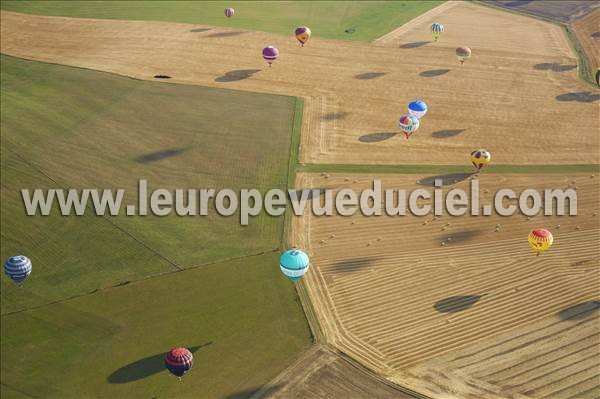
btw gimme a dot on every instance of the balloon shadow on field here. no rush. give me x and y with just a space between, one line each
376 137
234 76
369 75
143 368
199 30
580 97
451 178
330 116
444 134
455 304
159 155
247 393
414 44
352 265
459 237
434 72
595 35
580 311
555 67
226 34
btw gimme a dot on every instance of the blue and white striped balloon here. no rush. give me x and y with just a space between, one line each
18 268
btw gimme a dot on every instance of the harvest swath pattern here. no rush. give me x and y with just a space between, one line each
378 280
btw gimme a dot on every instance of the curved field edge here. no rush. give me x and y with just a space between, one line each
584 69
346 20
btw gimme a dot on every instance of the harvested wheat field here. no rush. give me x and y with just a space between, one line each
461 305
356 90
322 373
587 30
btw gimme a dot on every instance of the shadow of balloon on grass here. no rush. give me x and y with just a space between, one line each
160 155
144 368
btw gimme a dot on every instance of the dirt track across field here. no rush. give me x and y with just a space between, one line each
461 305
505 98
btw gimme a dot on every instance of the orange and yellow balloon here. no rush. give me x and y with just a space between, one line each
302 34
540 240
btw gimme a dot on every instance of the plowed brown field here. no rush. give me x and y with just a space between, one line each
480 309
354 90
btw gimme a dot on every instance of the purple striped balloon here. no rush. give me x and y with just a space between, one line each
270 54
229 12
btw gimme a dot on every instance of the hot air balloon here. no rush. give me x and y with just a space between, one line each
436 30
302 34
480 158
270 54
179 361
294 264
229 12
417 108
540 240
18 268
408 124
463 53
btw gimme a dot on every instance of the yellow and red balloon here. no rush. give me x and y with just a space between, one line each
540 240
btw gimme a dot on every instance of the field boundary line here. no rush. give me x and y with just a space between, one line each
408 25
18 390
105 218
127 282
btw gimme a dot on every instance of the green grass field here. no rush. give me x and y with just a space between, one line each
328 19
246 322
68 127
